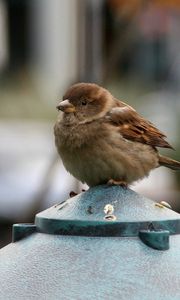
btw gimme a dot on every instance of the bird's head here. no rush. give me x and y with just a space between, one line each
86 101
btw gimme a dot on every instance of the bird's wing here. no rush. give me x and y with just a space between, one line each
135 128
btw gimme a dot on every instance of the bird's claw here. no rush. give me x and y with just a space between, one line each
121 183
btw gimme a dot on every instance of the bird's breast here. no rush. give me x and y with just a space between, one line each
78 135
94 154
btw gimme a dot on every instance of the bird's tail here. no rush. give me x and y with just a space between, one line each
169 163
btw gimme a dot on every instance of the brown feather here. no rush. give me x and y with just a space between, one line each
169 162
135 128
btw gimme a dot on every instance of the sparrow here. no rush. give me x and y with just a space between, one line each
103 140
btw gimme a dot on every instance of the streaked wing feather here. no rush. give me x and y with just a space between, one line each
134 127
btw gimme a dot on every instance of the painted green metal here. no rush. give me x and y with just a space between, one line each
156 239
132 212
21 231
103 261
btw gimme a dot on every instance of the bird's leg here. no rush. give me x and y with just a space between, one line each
121 183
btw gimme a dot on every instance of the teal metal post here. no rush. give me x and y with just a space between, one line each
106 243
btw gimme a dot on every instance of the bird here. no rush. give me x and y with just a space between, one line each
103 140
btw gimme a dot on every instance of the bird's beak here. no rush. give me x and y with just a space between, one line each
66 106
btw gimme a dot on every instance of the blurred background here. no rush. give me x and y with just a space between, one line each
130 47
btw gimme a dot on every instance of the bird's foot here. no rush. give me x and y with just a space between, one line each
121 183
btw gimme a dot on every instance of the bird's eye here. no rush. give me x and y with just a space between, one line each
83 102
